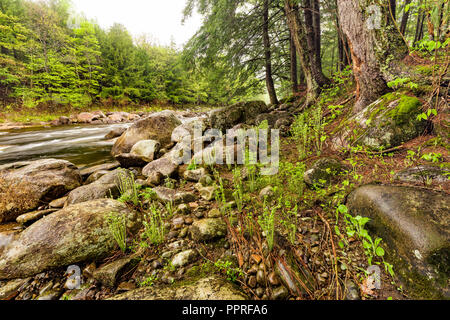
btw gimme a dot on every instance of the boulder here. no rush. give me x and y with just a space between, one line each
127 160
415 223
226 118
146 150
158 126
170 195
72 235
106 186
194 175
208 229
116 132
111 272
422 174
86 172
86 117
26 185
188 129
165 166
209 288
384 124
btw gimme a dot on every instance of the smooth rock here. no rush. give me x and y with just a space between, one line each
415 223
208 229
175 197
110 273
184 258
145 150
72 235
194 175
26 185
158 126
209 288
33 216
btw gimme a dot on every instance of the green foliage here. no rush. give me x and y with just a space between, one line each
154 230
227 266
127 187
149 281
267 223
117 224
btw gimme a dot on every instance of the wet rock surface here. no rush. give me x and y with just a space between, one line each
415 224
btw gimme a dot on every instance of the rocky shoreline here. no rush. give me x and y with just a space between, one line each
54 216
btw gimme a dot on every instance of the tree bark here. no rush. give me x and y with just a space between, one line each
393 8
312 26
298 33
268 56
419 26
293 58
376 48
405 18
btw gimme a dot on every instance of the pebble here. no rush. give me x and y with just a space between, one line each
273 279
253 269
259 292
261 278
252 282
280 293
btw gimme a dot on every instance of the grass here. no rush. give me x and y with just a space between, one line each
117 224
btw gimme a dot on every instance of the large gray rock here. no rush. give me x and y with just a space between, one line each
72 235
106 186
164 166
145 150
415 223
386 123
210 288
26 185
158 126
228 117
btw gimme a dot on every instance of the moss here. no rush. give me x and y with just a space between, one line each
405 110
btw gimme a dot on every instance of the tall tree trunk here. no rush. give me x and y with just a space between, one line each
343 50
405 18
312 26
293 58
268 56
419 26
376 48
298 33
393 8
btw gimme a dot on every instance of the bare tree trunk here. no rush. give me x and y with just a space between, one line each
393 8
267 55
419 26
375 44
303 50
293 54
405 18
312 26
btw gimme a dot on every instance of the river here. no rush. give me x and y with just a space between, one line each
83 145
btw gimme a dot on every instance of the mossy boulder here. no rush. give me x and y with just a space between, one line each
72 235
323 172
26 185
209 288
228 117
415 224
386 123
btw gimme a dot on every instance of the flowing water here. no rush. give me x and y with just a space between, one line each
83 145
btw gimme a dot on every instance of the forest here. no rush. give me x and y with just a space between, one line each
50 56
